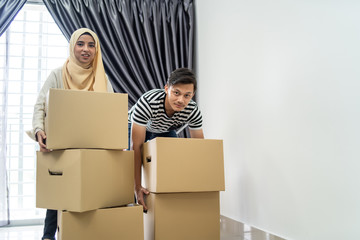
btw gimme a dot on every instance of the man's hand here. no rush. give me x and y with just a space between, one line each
41 138
140 197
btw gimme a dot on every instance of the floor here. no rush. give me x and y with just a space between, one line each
21 233
230 230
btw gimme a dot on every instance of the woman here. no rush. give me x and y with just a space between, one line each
83 70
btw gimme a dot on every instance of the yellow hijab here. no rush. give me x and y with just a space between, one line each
78 76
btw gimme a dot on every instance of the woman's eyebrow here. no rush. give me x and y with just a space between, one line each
80 41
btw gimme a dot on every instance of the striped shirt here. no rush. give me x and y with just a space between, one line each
149 111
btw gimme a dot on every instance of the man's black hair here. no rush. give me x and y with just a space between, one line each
182 76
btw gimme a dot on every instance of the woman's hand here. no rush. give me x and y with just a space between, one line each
41 138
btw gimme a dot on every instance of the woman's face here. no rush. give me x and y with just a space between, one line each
84 50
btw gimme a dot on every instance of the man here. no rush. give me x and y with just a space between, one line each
159 113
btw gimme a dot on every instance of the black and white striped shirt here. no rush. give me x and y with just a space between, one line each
149 111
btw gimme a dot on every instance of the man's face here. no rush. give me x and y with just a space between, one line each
178 97
85 49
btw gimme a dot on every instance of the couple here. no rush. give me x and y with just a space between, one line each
158 113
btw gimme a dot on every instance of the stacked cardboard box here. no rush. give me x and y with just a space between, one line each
184 177
88 176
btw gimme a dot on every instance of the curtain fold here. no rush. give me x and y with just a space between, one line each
142 40
8 11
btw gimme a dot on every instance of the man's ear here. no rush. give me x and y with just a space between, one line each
166 87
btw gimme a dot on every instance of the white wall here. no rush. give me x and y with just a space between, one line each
279 81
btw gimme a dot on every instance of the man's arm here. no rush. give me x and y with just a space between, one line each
138 134
196 133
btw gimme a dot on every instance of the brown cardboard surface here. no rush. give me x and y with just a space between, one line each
183 165
91 179
122 223
82 119
179 216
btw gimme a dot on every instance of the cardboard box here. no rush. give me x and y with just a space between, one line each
183 165
82 119
84 179
125 223
179 216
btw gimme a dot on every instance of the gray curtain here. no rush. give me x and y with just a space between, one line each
8 11
142 40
